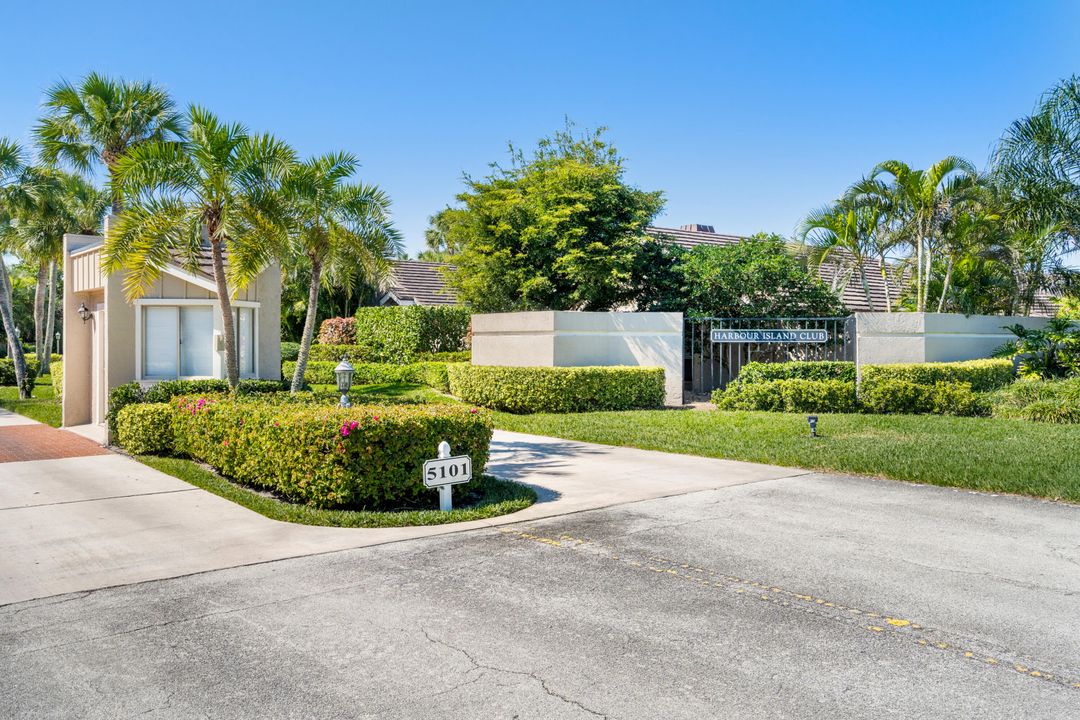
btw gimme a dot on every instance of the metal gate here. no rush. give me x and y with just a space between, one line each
709 365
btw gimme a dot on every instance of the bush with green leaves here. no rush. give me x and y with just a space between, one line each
290 350
1052 401
1049 352
902 397
789 395
57 371
364 353
401 334
982 375
145 428
364 457
7 372
757 372
557 389
321 372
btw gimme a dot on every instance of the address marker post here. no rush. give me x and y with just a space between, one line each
446 471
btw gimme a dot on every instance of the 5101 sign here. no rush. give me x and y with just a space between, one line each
447 471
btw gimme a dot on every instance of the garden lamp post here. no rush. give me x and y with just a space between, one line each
812 419
57 343
344 373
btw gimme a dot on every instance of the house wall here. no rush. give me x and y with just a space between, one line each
904 337
580 339
83 283
266 290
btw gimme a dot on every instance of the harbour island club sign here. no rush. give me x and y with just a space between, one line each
762 335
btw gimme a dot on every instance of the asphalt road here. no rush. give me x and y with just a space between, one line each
803 597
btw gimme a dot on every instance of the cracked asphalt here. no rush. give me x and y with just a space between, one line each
806 597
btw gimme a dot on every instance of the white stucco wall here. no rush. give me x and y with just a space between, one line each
580 339
903 337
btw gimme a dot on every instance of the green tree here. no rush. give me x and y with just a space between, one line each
758 277
100 120
12 177
219 186
561 230
342 232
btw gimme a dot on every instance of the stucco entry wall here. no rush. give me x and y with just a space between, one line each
904 337
576 339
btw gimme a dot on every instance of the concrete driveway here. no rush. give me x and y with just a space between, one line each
79 518
798 597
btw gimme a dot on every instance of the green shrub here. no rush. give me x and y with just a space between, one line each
446 357
1053 401
757 372
289 350
557 389
145 428
7 372
982 375
365 353
432 374
58 379
401 334
364 456
1047 352
120 397
790 395
892 396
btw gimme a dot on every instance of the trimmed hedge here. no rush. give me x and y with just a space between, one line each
557 389
401 334
789 395
757 372
892 396
982 375
362 353
1051 401
145 428
7 372
164 391
365 456
57 371
289 350
321 372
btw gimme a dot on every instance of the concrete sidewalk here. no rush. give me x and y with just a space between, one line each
78 524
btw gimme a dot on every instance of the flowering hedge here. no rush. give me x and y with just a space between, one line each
365 456
557 389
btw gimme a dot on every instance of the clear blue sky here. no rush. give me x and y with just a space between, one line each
746 114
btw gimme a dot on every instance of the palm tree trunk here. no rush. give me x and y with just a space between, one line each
50 323
919 274
17 357
232 371
945 286
309 325
885 280
865 285
39 308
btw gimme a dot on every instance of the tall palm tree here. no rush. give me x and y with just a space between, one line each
217 187
924 199
342 231
12 170
101 119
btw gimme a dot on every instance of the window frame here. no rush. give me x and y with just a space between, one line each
218 361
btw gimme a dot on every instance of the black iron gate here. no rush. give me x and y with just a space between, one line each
710 365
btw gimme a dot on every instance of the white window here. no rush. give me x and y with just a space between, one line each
177 341
245 341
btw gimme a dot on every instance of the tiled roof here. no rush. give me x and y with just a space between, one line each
420 282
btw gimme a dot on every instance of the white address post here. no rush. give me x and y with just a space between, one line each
444 472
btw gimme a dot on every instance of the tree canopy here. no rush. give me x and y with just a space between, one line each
562 230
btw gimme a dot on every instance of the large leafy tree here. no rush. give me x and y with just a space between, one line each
218 187
560 230
12 189
100 119
341 231
757 277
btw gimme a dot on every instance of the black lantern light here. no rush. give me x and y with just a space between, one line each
812 419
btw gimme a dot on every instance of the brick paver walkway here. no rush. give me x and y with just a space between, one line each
41 442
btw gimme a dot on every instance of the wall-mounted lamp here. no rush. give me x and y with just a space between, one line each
84 312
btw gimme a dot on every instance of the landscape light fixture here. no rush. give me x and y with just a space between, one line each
812 419
84 312
344 373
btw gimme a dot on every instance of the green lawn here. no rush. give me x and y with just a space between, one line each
484 497
43 406
1009 456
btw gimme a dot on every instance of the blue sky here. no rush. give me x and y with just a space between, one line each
745 114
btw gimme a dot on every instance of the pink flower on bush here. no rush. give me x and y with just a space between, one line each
353 425
225 443
475 410
345 430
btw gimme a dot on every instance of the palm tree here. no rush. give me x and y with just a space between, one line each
924 200
217 187
12 171
342 231
101 119
845 233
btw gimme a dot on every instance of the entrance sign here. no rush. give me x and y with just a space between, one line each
769 336
444 472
